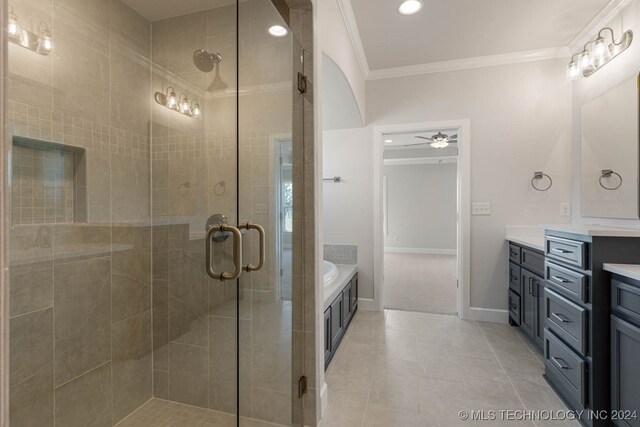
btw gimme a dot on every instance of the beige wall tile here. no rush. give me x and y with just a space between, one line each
132 349
86 400
187 384
82 293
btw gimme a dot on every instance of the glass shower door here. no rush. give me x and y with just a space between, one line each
137 129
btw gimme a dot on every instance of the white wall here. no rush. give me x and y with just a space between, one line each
339 107
520 123
348 205
421 206
335 43
621 68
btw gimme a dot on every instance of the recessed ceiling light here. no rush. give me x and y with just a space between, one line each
278 31
387 141
409 7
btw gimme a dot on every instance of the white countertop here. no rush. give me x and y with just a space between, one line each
346 272
532 237
594 230
531 242
627 270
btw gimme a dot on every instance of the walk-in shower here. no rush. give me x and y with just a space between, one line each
122 144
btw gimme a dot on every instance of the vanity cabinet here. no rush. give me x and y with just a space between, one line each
583 344
526 291
338 316
625 348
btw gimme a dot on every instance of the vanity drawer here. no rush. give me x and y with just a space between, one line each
514 278
514 253
625 300
565 369
514 307
570 252
568 282
567 320
532 261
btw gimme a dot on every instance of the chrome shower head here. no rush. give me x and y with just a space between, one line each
206 61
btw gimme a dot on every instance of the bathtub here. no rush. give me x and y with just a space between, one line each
330 273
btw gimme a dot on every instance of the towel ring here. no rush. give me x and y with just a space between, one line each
541 175
606 173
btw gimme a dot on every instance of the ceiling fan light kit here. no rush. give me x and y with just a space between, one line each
439 140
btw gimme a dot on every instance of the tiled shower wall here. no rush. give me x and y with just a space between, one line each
82 341
80 326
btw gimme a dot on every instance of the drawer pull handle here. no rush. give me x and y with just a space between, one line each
560 362
514 307
561 251
561 318
560 279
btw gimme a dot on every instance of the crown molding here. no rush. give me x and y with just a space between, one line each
602 19
349 19
470 63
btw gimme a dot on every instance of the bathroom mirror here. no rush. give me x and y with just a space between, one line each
609 150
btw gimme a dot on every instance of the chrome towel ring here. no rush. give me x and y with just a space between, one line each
538 176
607 173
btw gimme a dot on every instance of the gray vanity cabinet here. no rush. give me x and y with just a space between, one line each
625 372
337 321
526 291
625 348
528 304
327 336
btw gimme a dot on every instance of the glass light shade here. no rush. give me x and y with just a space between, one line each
440 143
573 70
599 48
410 7
44 42
584 59
12 26
172 101
184 105
196 110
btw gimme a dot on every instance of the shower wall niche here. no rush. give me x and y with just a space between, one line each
49 183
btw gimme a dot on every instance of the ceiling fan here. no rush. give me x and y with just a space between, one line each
439 140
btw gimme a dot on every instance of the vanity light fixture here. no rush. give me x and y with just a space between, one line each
597 53
180 104
278 31
409 7
41 43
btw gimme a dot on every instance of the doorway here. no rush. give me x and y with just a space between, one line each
421 218
420 221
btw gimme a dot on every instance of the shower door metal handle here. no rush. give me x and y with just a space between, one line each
237 252
252 226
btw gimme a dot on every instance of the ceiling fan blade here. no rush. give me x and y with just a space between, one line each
454 136
412 145
423 137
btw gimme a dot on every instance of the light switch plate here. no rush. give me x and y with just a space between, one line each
481 208
565 209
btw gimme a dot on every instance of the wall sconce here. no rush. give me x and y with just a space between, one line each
597 53
181 103
40 43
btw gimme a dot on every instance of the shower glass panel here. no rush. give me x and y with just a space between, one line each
133 127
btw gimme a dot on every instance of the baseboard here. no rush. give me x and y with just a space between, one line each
488 315
421 251
367 304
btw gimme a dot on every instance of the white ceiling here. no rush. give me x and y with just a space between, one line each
155 10
455 29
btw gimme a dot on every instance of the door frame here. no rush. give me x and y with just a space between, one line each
463 303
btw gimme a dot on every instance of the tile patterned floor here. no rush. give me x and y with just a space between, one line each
420 282
163 413
409 369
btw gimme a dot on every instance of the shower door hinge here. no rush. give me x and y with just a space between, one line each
302 386
302 83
